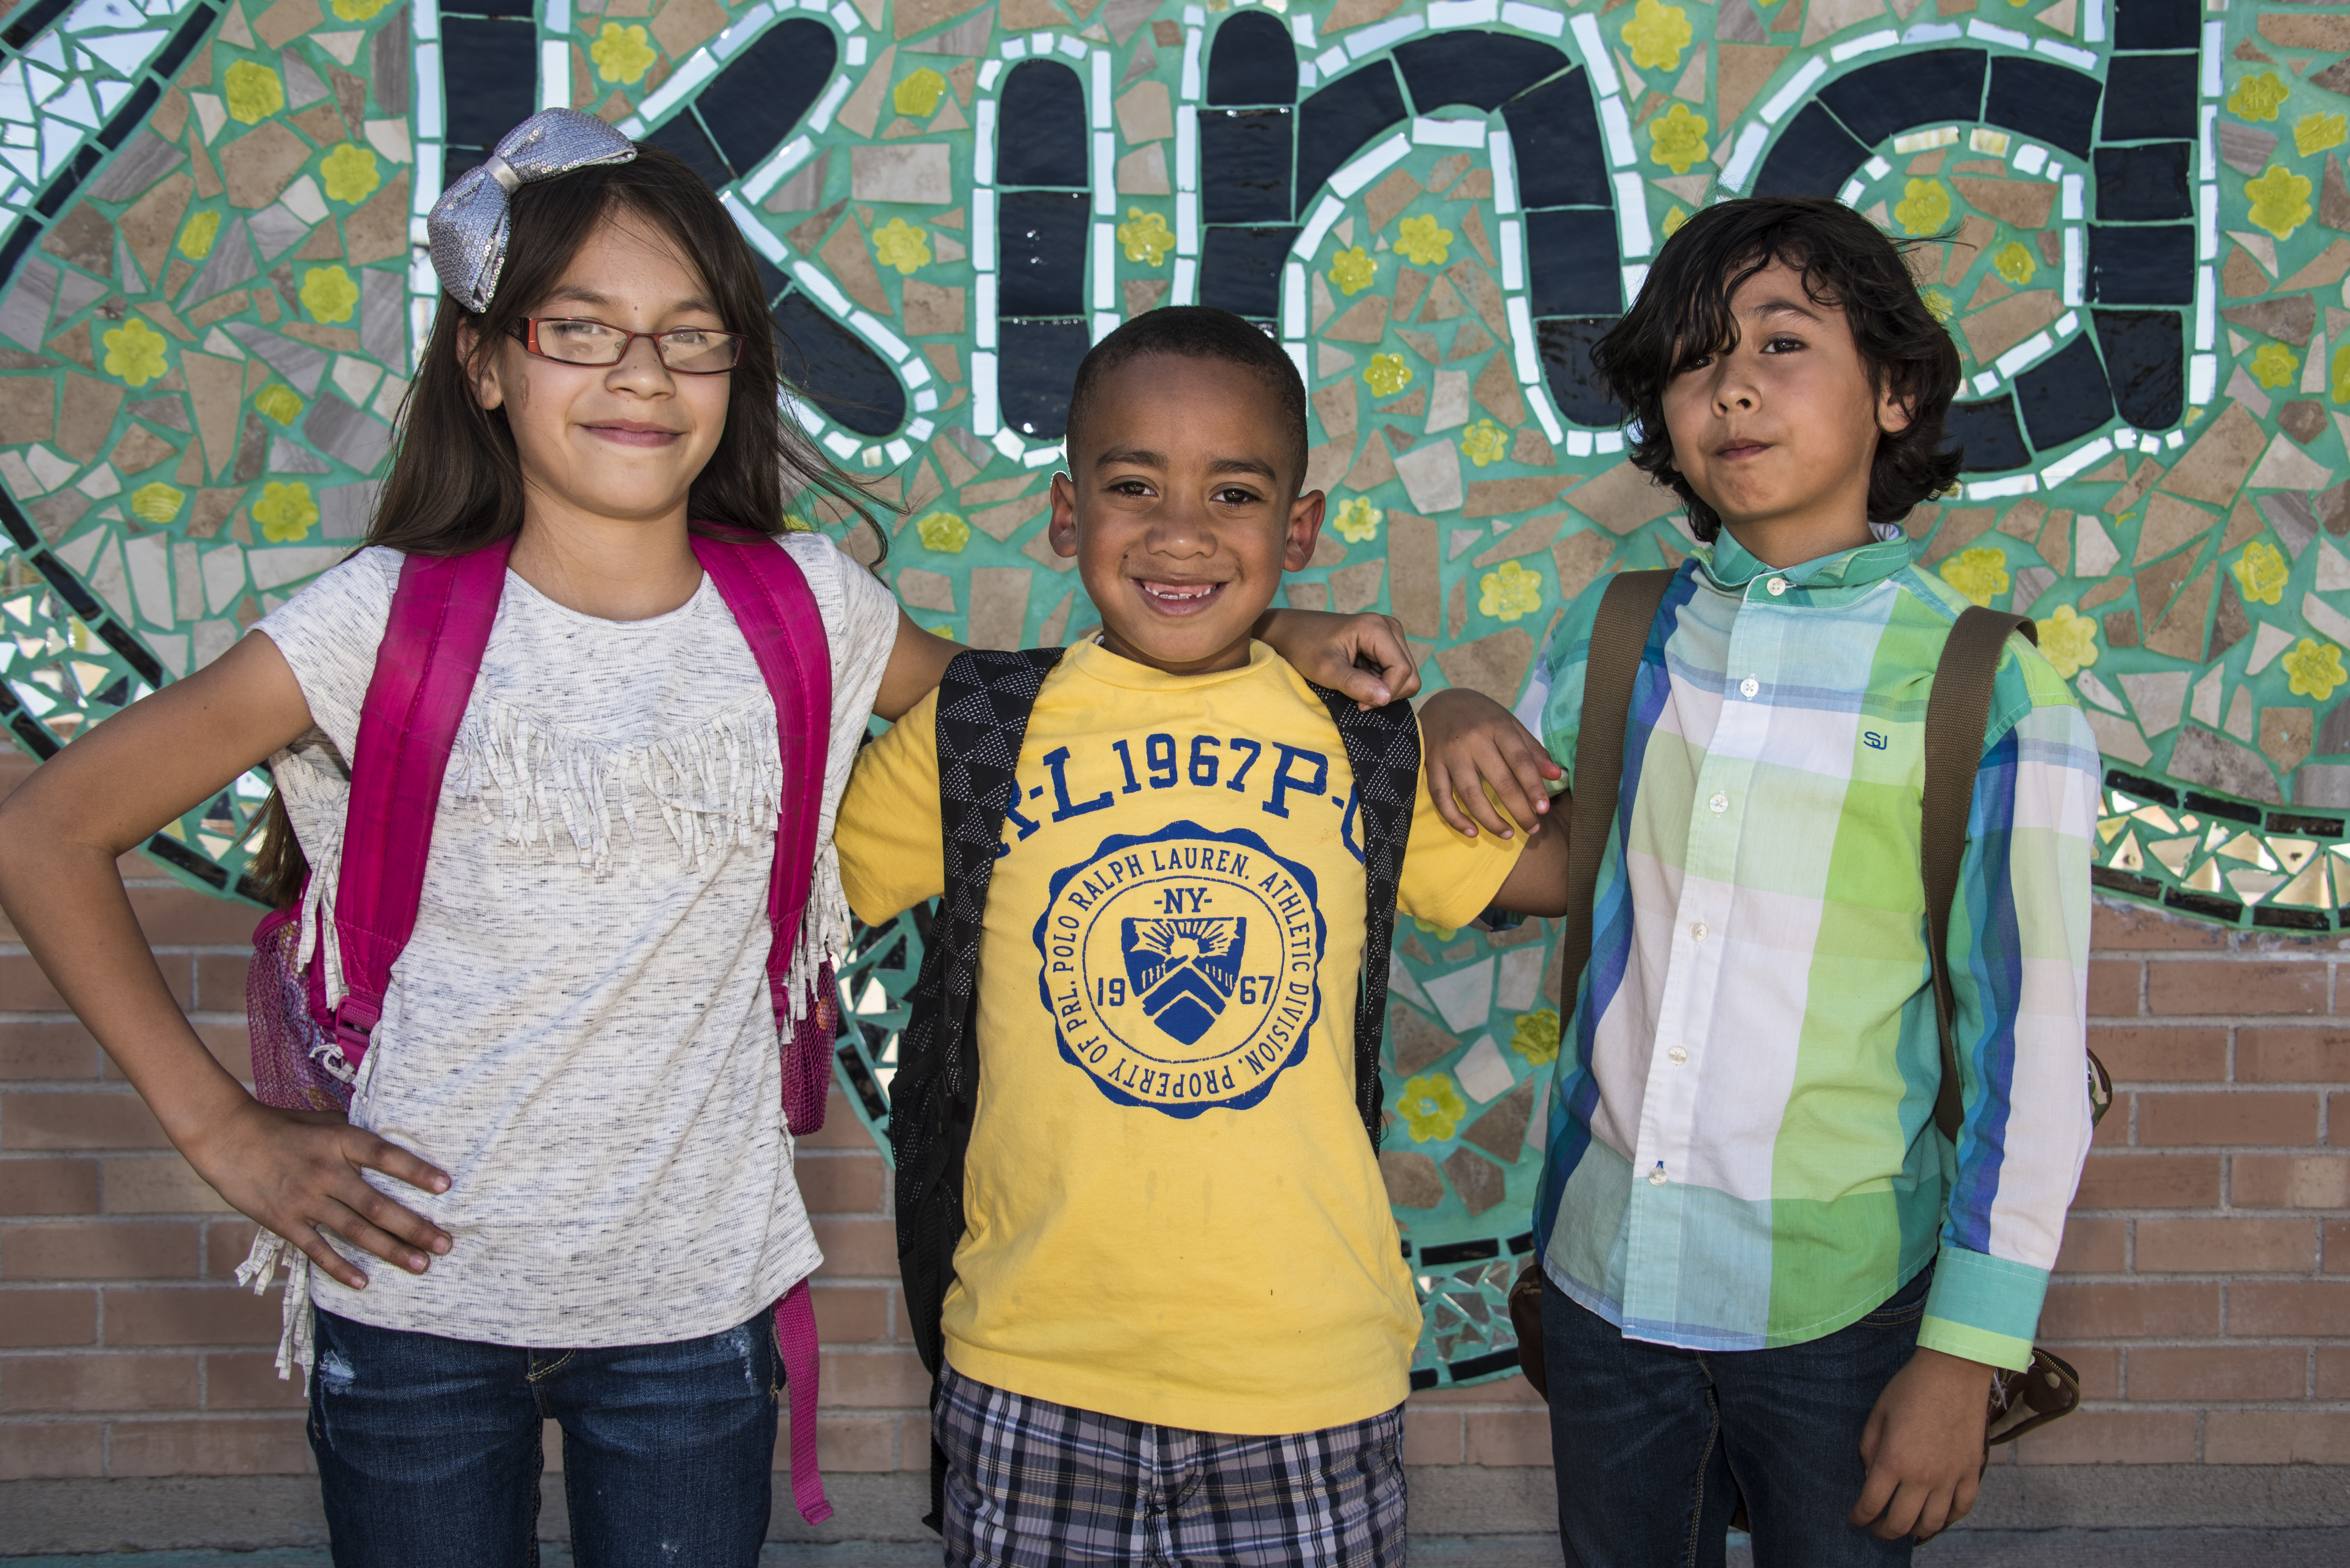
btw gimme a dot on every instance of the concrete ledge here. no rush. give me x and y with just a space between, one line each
1451 1503
2146 1497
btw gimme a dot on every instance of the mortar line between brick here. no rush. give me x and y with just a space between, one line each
2206 1407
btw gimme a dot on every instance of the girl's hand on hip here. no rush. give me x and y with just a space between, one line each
1924 1448
297 1173
1474 751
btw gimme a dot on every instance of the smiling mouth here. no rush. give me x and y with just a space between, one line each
1178 598
635 435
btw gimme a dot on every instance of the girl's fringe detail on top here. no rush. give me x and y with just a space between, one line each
715 787
297 1335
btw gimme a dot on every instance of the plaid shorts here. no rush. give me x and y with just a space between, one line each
1030 1484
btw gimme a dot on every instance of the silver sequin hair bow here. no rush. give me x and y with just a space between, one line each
470 224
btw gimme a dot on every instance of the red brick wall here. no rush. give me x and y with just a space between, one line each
2195 1294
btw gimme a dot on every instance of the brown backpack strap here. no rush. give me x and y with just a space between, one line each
1619 635
1956 715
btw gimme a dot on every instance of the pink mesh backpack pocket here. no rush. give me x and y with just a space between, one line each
297 1064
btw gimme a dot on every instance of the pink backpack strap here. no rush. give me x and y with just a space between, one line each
771 604
770 601
796 1337
424 671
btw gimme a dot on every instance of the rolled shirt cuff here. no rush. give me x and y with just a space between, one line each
1983 1308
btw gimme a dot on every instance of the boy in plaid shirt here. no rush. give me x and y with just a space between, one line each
1766 1271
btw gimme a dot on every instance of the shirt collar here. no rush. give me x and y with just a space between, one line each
1733 567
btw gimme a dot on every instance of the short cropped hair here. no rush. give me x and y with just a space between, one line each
1846 261
1199 332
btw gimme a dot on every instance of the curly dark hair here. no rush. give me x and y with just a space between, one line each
1683 313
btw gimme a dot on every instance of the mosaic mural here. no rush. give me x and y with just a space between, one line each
212 289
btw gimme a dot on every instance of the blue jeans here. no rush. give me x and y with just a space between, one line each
1648 1439
429 1450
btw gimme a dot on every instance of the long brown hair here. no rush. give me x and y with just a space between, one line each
456 483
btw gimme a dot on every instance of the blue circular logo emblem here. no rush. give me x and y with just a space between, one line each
1184 969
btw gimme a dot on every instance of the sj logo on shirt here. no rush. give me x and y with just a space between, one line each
1183 968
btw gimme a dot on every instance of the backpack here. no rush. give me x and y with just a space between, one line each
985 702
306 1056
1956 713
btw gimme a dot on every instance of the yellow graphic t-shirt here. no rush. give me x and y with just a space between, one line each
1173 1214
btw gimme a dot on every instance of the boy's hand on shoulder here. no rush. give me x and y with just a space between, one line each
1364 656
1470 744
1924 1448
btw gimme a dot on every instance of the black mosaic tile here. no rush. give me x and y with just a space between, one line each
2142 265
1814 157
1250 61
1554 145
33 20
1575 384
489 74
1987 432
762 93
834 368
2157 24
1486 69
1036 367
1244 161
2149 96
772 281
1571 262
1240 270
184 43
1334 123
1041 236
684 135
68 182
495 7
2146 183
2064 396
2145 361
2050 103
1040 130
131 115
20 240
1880 100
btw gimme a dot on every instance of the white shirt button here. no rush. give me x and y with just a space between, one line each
1748 686
1657 1177
1677 1056
1697 932
1719 802
1777 585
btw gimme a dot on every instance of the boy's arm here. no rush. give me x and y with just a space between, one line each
2019 961
891 854
1449 880
1537 883
2019 955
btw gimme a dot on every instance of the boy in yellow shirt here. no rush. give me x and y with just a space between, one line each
1180 1325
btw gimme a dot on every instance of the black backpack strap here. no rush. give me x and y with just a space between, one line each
985 702
1383 753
